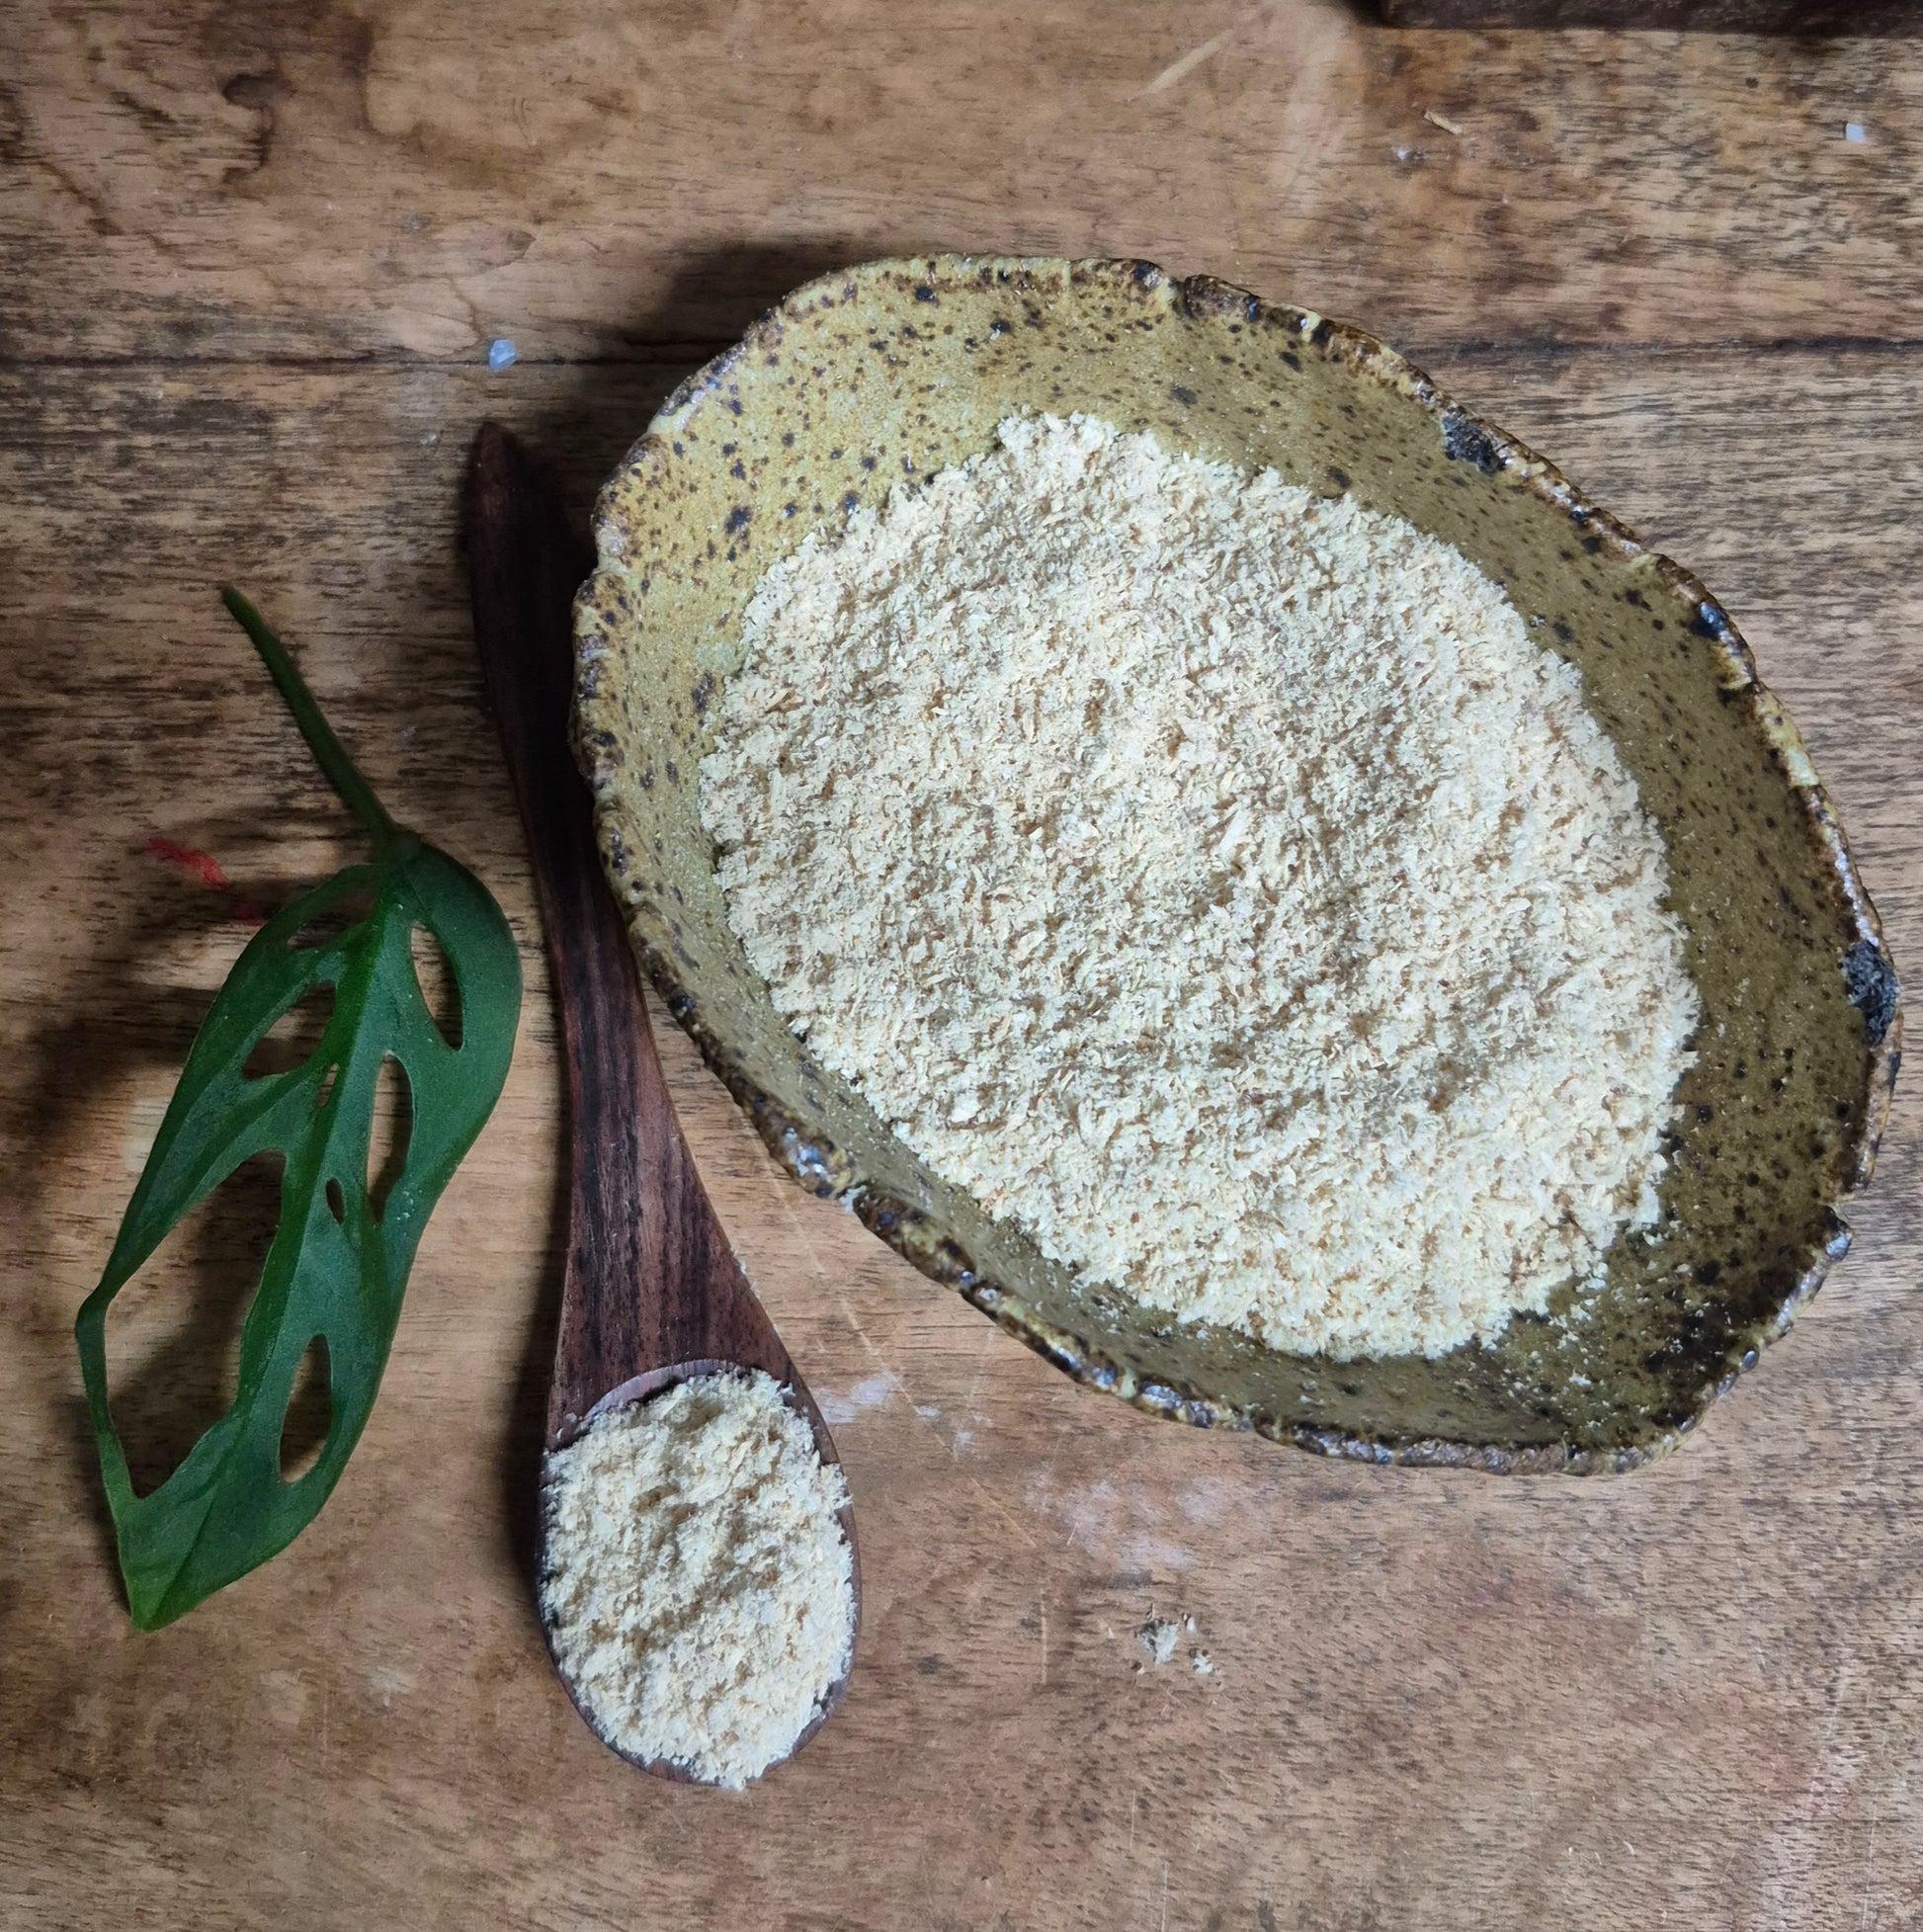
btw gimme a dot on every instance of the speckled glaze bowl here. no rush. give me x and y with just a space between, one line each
895 369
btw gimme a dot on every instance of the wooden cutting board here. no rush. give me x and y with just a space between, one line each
253 259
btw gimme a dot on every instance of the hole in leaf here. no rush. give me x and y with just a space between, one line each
173 1333
438 992
294 1039
329 925
311 1414
325 1092
393 1124
336 1200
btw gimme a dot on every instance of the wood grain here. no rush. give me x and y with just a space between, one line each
1844 18
1691 1697
386 177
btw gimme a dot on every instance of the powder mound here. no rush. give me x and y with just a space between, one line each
697 1582
1215 879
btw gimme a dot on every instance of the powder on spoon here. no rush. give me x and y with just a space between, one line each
697 1582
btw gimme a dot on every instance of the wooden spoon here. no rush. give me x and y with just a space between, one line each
653 1294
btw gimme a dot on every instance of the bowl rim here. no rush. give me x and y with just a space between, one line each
824 1169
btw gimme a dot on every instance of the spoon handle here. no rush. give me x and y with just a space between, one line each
652 1281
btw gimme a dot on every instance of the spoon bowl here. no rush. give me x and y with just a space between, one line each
644 1389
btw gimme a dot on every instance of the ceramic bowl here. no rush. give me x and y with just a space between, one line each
897 368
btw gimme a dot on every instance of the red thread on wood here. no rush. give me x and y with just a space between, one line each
196 865
202 865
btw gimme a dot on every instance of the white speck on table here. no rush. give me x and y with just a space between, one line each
1157 1639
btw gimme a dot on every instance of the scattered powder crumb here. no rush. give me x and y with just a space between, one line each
1440 121
1215 879
1157 1639
697 1584
1854 131
502 354
1200 1663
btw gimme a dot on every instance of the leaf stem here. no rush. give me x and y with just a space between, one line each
329 753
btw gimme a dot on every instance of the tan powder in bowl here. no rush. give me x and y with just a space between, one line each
1215 878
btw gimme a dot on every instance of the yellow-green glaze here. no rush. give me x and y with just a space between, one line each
895 369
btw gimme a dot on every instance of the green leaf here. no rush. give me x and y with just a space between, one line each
338 1261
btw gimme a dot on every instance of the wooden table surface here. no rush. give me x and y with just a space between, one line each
251 259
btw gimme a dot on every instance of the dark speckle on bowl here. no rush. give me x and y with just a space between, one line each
1871 984
1467 440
